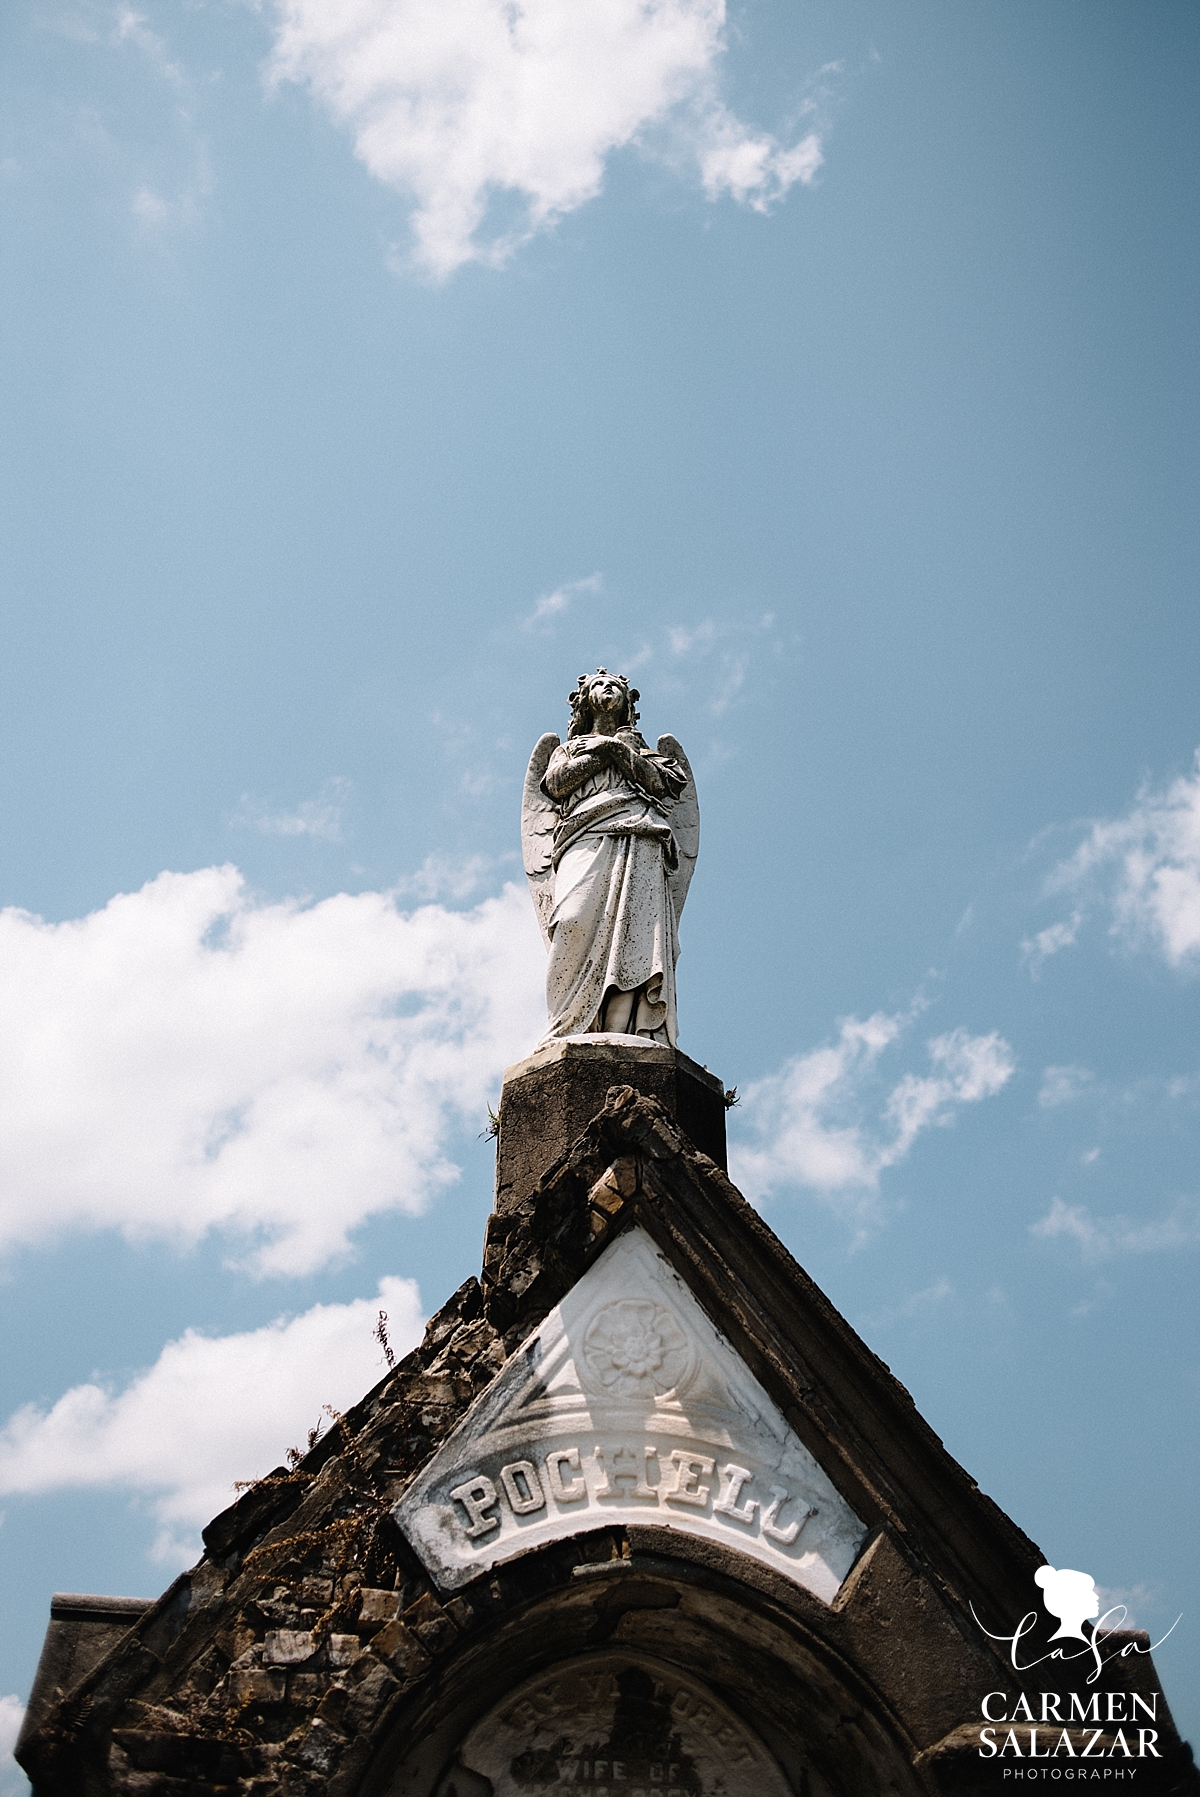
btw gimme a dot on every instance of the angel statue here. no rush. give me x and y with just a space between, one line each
610 830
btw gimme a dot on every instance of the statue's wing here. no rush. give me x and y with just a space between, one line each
685 822
539 819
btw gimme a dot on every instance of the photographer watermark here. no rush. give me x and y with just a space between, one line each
1076 1725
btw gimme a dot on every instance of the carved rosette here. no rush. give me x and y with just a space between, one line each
635 1349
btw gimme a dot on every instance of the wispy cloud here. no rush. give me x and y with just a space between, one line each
320 816
753 169
915 1308
1138 1602
553 605
725 653
684 639
13 1782
210 1411
451 877
823 1121
1116 1238
189 1059
131 27
1050 941
1143 871
169 178
498 120
1063 1085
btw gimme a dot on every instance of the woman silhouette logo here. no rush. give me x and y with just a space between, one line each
1071 1596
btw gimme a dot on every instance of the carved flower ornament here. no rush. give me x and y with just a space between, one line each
636 1349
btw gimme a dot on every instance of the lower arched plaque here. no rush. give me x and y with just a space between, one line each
612 1725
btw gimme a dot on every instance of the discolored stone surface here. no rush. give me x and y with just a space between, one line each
549 1099
82 1631
617 1720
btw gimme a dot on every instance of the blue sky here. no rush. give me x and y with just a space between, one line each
832 370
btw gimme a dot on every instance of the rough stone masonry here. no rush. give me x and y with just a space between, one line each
639 1608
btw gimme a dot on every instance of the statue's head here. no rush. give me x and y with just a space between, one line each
604 690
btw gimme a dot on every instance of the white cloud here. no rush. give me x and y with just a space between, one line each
916 1306
130 27
810 1117
755 170
321 817
727 653
683 638
162 200
1114 1238
471 106
453 877
189 1059
1145 869
1063 1085
13 1782
1136 1602
1050 941
210 1411
552 605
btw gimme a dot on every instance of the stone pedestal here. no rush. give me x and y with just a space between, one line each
549 1099
83 1629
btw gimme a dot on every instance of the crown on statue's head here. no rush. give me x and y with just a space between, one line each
580 700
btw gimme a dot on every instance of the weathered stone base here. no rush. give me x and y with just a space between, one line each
82 1630
549 1099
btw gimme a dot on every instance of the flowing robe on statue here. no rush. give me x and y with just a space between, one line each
613 925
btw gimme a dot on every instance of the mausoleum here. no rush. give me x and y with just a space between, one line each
642 1513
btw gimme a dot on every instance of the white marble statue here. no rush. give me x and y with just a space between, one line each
610 830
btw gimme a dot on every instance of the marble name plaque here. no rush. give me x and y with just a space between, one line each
627 1406
614 1725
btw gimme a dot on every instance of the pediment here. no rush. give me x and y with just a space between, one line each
626 1405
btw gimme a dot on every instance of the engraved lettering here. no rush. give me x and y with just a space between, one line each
605 1490
477 1496
687 1469
644 1489
770 1518
633 1407
732 1480
512 1477
627 1467
561 1493
613 1479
